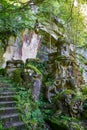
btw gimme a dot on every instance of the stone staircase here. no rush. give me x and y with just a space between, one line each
9 113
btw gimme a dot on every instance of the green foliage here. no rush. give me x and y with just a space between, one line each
17 76
67 92
1 55
66 14
33 68
1 127
84 92
79 96
16 15
2 71
39 65
49 82
74 21
84 89
66 123
30 112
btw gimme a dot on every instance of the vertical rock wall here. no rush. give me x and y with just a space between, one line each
82 61
23 46
63 65
1 55
64 70
31 43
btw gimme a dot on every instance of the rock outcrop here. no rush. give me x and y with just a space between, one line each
64 70
23 46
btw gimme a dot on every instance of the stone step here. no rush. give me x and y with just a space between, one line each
4 85
9 113
7 97
6 110
7 93
9 117
7 103
17 125
7 88
2 91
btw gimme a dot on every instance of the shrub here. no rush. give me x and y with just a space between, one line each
2 71
17 76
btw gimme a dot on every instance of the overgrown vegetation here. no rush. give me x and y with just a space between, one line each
18 15
62 19
30 111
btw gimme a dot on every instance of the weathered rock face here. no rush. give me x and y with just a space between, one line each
85 73
69 105
67 77
31 67
43 53
63 68
22 47
37 87
1 55
82 62
31 44
13 49
11 66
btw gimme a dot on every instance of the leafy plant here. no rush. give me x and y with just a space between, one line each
1 127
30 112
2 71
17 76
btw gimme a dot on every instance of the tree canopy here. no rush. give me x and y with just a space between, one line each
16 15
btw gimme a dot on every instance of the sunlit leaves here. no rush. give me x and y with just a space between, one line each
16 15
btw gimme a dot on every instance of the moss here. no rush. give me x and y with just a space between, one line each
17 76
33 68
84 114
38 64
76 126
1 56
66 123
30 112
79 96
2 71
15 63
1 127
84 89
67 92
59 124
